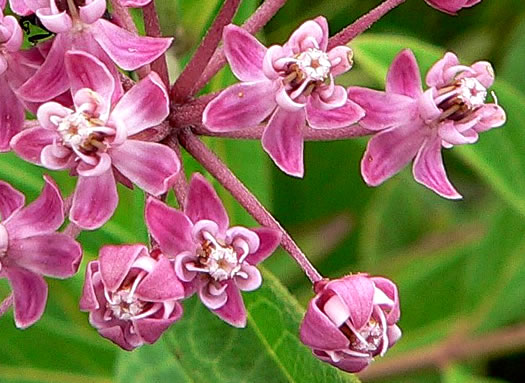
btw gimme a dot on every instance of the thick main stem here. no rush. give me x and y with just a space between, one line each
259 19
247 200
183 87
152 27
363 23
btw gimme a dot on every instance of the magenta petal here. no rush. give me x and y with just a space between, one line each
151 329
43 215
346 115
161 284
403 76
29 143
254 280
393 334
30 293
233 312
310 34
269 239
357 292
390 151
126 49
283 141
86 71
204 203
492 116
349 364
92 11
94 201
383 110
88 301
55 22
170 227
57 157
54 254
436 75
11 200
244 53
240 106
19 7
50 79
429 170
342 55
116 335
115 262
11 114
149 165
390 289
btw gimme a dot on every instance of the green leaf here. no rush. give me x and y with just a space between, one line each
202 348
460 374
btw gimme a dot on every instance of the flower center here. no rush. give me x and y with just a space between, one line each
82 133
124 305
460 99
221 262
314 64
367 339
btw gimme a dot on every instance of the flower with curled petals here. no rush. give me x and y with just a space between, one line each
131 296
210 258
31 248
351 320
93 139
452 6
290 84
415 124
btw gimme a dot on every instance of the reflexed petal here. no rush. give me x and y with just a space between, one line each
254 280
393 334
54 254
149 165
203 202
240 106
16 39
284 101
143 106
448 132
346 115
11 114
403 76
383 110
493 116
126 49
55 22
30 293
340 57
88 301
92 11
19 7
11 200
94 201
29 143
211 301
309 35
390 151
43 215
283 141
350 364
390 290
116 261
233 312
51 109
161 284
484 73
436 75
116 335
244 53
169 227
236 234
429 170
102 166
269 239
56 157
151 329
357 293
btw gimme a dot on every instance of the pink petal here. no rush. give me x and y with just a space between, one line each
284 101
383 110
30 293
149 165
86 71
403 76
310 34
11 200
94 201
169 227
57 157
436 75
102 166
116 335
340 57
357 292
448 132
134 3
429 170
16 37
50 79
233 312
484 73
240 106
92 11
244 53
116 261
151 329
43 215
143 106
323 23
390 289
283 141
19 7
427 108
126 49
29 143
493 116
254 280
212 301
320 118
11 114
390 151
269 239
348 363
236 234
55 22
161 284
54 254
88 301
51 109
203 202
393 334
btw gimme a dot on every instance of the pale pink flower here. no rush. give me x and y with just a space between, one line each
415 124
290 84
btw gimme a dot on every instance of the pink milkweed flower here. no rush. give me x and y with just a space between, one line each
452 6
291 84
94 140
132 296
210 258
30 247
80 25
351 320
415 124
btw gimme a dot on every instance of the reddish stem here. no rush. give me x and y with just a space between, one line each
247 200
180 186
152 26
363 23
184 85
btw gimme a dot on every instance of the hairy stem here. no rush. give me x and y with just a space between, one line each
72 230
152 26
183 87
259 19
6 304
363 23
247 200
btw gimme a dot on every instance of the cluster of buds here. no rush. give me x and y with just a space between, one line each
91 121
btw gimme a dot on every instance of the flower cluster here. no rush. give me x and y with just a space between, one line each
93 118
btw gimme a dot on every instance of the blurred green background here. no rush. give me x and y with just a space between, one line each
460 266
